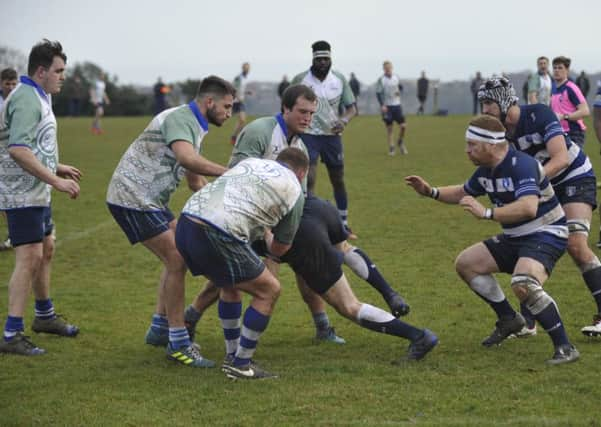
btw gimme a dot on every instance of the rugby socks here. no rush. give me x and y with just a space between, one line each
44 309
362 266
378 320
12 326
551 322
191 315
254 325
229 314
322 322
592 278
179 338
487 288
159 324
528 316
342 205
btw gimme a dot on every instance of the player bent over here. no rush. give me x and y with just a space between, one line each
138 198
214 234
534 232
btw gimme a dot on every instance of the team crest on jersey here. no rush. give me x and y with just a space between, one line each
504 184
486 184
570 190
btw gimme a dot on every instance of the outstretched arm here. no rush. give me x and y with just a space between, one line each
450 194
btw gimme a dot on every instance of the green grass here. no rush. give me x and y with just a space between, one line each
107 376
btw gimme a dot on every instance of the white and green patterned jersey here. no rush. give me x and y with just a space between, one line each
389 89
265 138
332 92
253 196
148 173
26 120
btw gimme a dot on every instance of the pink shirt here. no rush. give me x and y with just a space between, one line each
565 100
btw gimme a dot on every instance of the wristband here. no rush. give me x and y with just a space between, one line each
566 117
434 193
489 213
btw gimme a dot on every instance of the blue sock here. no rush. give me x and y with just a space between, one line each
322 321
342 204
528 316
12 326
179 338
159 324
253 326
378 320
363 267
44 309
592 278
229 314
551 322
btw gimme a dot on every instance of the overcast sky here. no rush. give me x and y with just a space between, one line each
141 40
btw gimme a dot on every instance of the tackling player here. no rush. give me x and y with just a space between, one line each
534 232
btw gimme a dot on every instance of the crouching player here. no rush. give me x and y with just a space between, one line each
534 233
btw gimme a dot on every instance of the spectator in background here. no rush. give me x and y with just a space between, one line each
474 86
8 81
539 84
422 92
583 83
99 99
77 95
160 91
568 102
240 82
355 88
283 86
525 89
388 91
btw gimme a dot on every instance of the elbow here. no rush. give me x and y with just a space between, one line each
530 211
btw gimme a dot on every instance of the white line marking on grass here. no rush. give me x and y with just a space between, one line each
61 239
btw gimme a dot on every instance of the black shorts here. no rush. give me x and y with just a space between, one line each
238 107
313 255
29 225
543 247
328 147
394 113
583 190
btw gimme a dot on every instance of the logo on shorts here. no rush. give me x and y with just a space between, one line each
570 190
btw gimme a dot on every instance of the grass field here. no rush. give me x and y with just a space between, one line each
108 376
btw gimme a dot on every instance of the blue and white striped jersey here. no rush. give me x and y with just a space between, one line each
520 175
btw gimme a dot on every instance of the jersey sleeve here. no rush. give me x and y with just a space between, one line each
473 187
547 123
286 229
526 174
348 98
176 128
575 95
298 79
251 143
22 121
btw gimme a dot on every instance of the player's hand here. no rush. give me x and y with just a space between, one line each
420 185
384 109
68 171
473 206
338 127
67 186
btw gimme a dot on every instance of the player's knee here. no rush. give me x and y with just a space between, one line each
48 252
530 291
463 264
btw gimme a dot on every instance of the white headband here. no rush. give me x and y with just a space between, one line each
321 54
482 135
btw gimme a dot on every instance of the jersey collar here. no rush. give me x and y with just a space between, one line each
27 81
201 119
280 119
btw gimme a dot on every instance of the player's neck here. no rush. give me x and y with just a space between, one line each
513 116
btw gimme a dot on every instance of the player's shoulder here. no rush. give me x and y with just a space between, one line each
300 77
262 125
338 75
537 113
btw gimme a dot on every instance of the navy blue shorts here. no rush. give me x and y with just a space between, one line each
583 190
29 225
221 258
313 255
329 147
139 226
238 106
543 247
393 114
